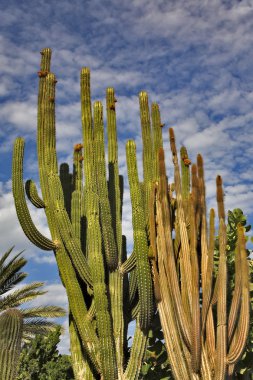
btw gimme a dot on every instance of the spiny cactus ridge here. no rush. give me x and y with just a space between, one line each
11 329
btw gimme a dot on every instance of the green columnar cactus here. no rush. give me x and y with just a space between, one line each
84 213
144 282
204 336
107 290
11 328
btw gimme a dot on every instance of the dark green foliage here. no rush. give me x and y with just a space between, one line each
156 365
40 360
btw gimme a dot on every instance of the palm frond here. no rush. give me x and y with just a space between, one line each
47 311
10 269
5 256
10 263
13 280
22 295
38 326
34 318
29 334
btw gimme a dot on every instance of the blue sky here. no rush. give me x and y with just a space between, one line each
193 57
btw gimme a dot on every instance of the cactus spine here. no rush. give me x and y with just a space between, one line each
84 213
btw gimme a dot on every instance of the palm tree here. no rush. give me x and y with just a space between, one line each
19 324
34 319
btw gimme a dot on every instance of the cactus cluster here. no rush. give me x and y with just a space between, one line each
84 213
204 336
106 290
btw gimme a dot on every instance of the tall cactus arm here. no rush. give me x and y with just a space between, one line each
133 287
41 124
87 126
168 316
157 136
137 353
129 264
202 205
148 149
221 214
46 137
66 182
46 122
166 245
185 249
76 213
48 109
241 332
11 327
221 352
78 307
237 294
20 203
32 194
209 272
77 180
81 366
66 231
104 323
152 239
143 271
116 281
185 165
220 198
114 178
104 205
196 332
88 143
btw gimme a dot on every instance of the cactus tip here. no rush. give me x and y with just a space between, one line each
172 135
200 160
42 74
78 147
143 95
218 180
186 161
194 172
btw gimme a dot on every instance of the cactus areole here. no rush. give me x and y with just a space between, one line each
106 290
